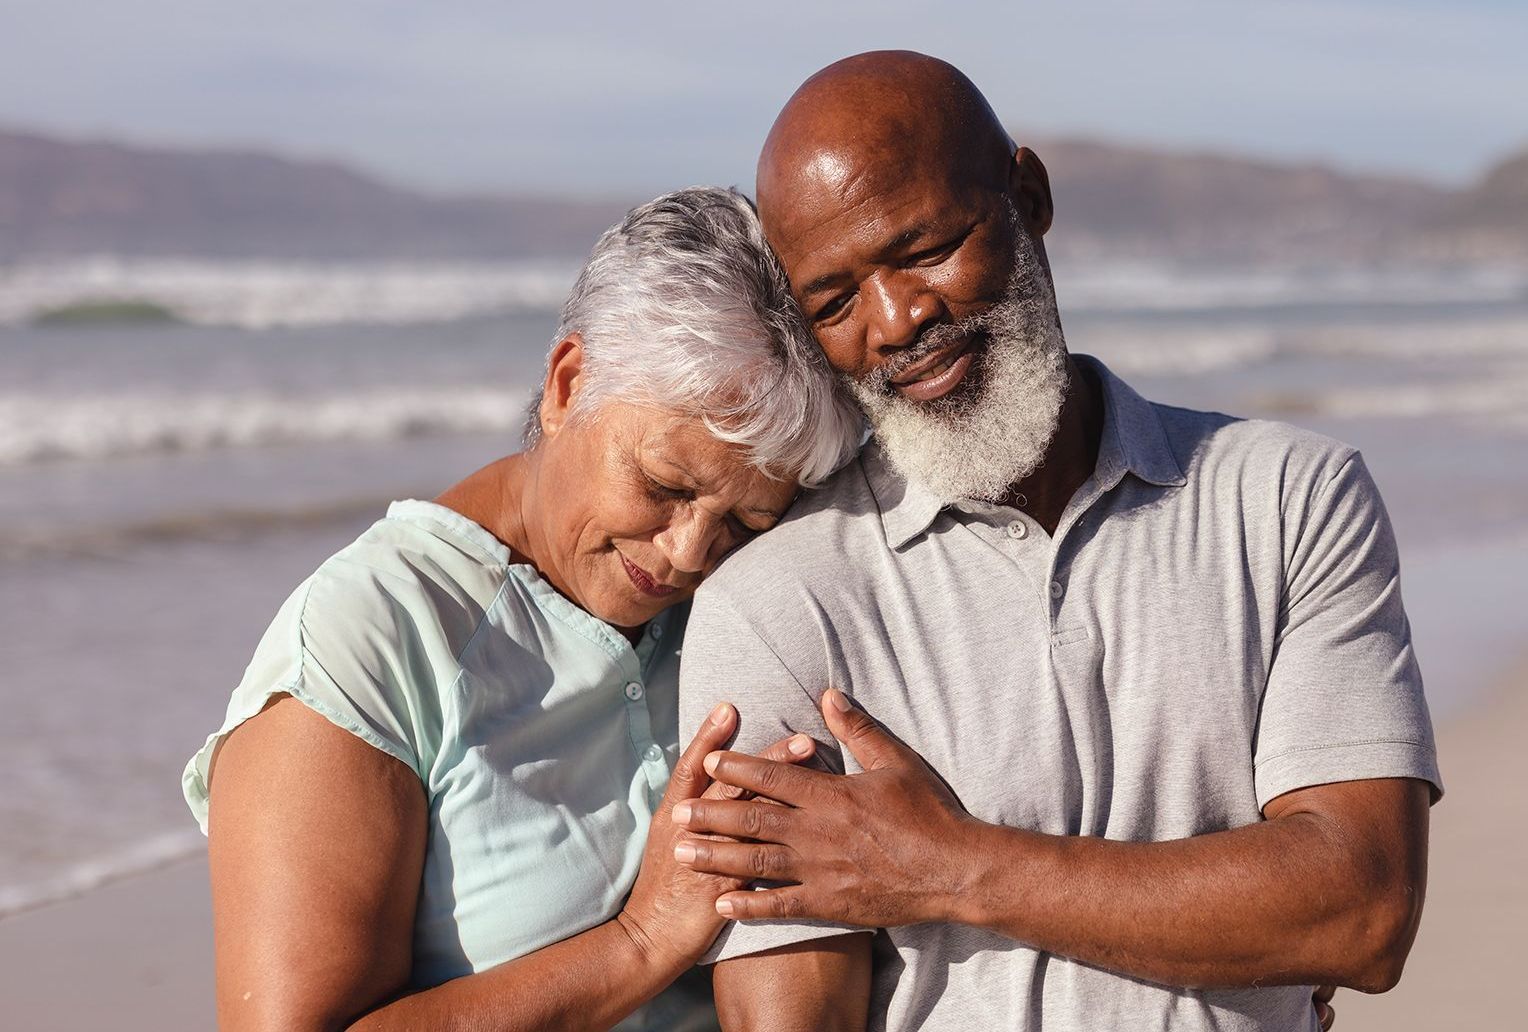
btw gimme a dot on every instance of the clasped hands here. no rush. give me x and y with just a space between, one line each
876 849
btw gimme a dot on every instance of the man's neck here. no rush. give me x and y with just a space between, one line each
1071 457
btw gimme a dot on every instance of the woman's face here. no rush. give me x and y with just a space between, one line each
637 505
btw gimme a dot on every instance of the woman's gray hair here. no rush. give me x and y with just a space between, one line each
683 307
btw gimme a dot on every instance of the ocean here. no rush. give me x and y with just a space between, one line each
164 486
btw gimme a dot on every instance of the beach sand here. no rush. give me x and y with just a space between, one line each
1464 971
136 956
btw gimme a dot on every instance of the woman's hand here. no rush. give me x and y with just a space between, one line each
870 849
671 913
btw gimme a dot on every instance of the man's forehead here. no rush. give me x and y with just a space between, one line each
846 201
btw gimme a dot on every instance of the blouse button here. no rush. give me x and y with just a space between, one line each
634 690
653 754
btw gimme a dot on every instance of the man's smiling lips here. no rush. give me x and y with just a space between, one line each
645 582
937 375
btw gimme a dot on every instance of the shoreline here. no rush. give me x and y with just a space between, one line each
135 953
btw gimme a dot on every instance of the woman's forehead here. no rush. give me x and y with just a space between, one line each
685 445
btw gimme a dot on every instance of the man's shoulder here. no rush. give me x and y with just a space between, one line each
825 524
1218 447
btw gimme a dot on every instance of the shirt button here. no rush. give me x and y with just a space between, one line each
1055 589
1017 529
634 691
656 630
653 754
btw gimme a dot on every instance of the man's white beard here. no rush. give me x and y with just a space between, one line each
994 429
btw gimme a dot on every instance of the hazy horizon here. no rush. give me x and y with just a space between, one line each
611 100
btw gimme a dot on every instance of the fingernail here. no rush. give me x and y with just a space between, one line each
724 907
710 762
838 700
799 745
684 852
682 813
721 713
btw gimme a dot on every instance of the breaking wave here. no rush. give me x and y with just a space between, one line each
40 429
267 295
80 877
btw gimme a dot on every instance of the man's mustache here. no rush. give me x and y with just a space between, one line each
931 339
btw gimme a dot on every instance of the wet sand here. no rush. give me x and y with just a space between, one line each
136 955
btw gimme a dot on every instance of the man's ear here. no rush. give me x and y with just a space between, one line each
564 377
1029 186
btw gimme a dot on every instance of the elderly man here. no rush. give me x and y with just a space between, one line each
1137 738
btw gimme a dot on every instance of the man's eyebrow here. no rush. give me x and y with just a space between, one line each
824 283
903 240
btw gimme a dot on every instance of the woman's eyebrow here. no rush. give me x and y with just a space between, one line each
675 467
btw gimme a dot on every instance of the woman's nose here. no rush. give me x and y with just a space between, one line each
687 544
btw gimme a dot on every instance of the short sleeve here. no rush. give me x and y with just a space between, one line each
726 660
1343 700
337 647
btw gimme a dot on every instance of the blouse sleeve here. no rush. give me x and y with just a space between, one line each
342 644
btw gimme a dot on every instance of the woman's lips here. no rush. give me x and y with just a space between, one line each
938 386
645 581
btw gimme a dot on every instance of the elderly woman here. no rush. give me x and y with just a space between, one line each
429 802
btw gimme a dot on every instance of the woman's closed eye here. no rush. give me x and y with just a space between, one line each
659 491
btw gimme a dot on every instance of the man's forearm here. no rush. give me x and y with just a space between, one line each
1300 899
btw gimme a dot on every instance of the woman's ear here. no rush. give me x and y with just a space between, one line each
564 376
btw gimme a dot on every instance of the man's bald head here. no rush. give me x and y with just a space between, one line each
880 115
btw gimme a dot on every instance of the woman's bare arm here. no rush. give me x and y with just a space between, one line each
317 844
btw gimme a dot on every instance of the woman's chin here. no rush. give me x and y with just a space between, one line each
630 609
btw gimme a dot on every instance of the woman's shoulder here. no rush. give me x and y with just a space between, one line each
421 571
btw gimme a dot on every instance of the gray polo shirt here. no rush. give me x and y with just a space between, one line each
1216 621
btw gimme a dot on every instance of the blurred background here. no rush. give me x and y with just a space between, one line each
265 267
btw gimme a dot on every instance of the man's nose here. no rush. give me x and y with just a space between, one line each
900 307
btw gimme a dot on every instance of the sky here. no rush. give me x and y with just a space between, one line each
608 98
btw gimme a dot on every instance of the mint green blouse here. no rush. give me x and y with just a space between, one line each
542 738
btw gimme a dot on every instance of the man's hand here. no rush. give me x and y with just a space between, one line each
866 849
1327 889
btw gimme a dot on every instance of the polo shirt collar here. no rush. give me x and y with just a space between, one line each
1133 441
1133 438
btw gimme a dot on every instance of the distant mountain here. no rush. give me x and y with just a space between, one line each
64 198
1128 201
1489 221
60 198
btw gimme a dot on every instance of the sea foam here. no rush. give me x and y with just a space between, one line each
35 428
266 295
